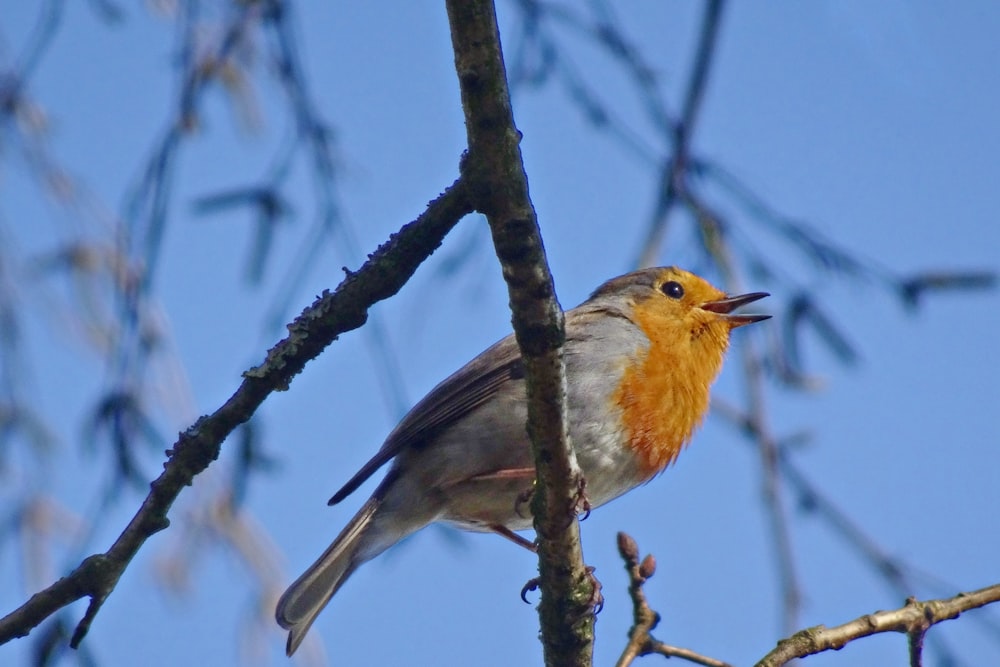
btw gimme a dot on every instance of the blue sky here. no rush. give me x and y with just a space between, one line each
876 124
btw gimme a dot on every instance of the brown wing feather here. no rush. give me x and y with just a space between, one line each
464 391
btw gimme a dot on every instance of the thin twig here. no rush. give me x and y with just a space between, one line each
641 641
913 618
916 644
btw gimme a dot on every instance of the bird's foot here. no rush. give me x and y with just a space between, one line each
593 606
581 503
596 602
524 498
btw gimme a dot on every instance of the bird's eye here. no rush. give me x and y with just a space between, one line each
672 289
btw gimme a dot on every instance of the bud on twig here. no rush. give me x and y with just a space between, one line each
648 567
628 548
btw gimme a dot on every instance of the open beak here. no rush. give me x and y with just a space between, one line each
725 307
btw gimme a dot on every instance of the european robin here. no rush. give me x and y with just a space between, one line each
640 355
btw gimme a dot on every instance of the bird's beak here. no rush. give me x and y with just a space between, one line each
724 307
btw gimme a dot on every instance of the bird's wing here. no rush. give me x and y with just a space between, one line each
458 395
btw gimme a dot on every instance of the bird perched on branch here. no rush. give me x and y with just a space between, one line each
640 355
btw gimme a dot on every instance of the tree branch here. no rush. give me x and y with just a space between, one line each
913 619
499 187
675 170
332 314
640 639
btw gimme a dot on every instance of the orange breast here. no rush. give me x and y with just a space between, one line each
665 396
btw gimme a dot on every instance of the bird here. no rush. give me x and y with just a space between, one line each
640 355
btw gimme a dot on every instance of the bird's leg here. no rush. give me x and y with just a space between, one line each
508 474
524 498
580 506
504 531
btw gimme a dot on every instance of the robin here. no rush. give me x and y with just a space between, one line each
640 355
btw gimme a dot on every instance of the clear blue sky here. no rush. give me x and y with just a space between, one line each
877 123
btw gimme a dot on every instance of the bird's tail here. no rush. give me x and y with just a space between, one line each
305 599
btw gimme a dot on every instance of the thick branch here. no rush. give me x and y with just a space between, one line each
913 619
499 188
385 272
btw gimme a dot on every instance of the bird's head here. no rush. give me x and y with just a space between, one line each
668 298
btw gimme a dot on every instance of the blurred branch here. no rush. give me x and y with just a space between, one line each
139 234
499 190
769 450
715 243
148 206
50 15
812 244
641 642
332 314
318 138
897 574
913 288
801 311
699 73
219 521
778 473
913 619
810 498
270 209
538 42
675 168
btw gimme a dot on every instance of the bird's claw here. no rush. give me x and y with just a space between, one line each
594 605
531 585
581 503
596 601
